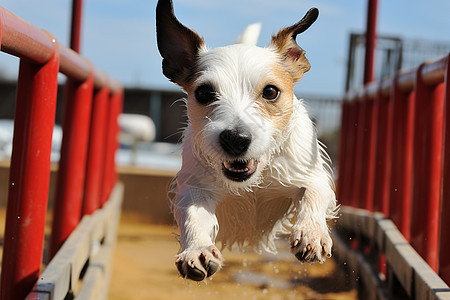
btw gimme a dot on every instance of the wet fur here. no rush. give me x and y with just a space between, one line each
290 193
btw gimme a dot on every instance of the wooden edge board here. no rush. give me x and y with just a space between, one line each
64 269
415 275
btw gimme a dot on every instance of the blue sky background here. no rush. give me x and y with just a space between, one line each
118 36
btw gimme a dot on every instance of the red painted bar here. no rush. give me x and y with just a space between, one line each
72 165
370 40
41 58
96 154
368 171
75 31
401 158
364 155
358 153
110 174
352 147
29 176
343 140
444 236
24 40
18 34
382 153
428 122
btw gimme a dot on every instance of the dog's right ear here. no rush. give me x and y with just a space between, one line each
178 45
285 44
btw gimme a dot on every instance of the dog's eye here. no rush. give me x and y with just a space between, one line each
205 94
271 93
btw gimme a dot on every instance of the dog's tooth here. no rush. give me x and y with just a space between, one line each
251 164
227 165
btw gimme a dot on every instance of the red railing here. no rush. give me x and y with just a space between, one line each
92 102
395 156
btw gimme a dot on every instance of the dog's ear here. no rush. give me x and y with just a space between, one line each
178 45
285 44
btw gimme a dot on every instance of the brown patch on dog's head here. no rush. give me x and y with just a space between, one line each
293 55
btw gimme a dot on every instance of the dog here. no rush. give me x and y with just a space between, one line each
251 161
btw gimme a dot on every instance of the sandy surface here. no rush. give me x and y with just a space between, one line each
144 268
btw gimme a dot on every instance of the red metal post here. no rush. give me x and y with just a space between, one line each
29 176
96 154
428 122
368 170
370 40
401 158
382 156
350 167
444 236
358 153
343 151
75 33
363 176
72 165
110 174
352 146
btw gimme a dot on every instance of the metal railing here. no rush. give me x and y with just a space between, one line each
86 174
395 156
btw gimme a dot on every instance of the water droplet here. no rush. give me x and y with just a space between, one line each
244 263
265 291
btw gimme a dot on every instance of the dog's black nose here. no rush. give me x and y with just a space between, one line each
235 141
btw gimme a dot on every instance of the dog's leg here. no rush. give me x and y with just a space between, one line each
310 238
194 211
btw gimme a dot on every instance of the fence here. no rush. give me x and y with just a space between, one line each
395 160
86 177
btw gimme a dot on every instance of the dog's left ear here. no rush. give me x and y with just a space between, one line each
285 44
179 46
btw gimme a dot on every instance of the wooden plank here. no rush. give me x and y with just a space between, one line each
96 280
396 246
370 283
38 296
373 286
66 266
380 226
415 275
93 284
63 271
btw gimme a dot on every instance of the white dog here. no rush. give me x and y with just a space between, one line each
251 159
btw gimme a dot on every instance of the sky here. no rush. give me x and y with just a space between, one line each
118 36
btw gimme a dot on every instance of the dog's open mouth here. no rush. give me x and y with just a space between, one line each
239 170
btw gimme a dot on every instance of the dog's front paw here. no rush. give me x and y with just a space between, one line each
197 264
311 244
